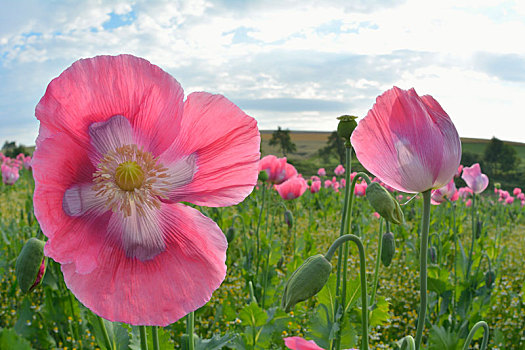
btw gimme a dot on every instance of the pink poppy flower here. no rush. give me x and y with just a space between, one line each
335 186
477 181
516 191
27 162
298 343
321 172
521 196
503 194
448 191
292 188
464 192
458 173
118 148
377 215
9 174
315 187
509 200
343 183
339 170
360 189
278 169
327 183
408 141
315 178
468 203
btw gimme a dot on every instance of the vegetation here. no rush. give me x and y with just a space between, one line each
282 139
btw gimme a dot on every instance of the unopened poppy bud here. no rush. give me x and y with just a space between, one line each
306 281
230 234
288 218
490 276
384 203
479 228
388 248
346 126
263 176
30 265
432 254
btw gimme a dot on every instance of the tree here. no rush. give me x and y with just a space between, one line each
11 150
334 146
282 139
500 157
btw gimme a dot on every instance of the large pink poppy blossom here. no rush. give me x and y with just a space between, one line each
292 188
278 169
408 141
477 181
118 148
298 343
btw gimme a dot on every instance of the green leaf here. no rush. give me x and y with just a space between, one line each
215 343
380 314
253 315
440 339
10 340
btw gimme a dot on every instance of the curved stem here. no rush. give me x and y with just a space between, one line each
408 341
473 331
362 273
425 223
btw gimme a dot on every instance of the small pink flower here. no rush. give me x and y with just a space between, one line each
327 183
118 149
516 191
376 214
315 178
520 196
343 183
321 172
503 194
298 343
477 181
448 191
509 200
27 162
292 188
468 203
339 170
335 186
315 187
458 172
408 141
360 189
9 174
278 169
464 192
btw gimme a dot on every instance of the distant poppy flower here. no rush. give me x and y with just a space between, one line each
339 170
118 148
360 189
292 188
315 187
509 200
465 192
9 174
408 141
516 191
468 203
277 168
448 191
458 173
327 183
503 194
321 172
477 181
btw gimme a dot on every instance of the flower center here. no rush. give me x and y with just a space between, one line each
129 175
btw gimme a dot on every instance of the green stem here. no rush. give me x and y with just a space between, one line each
155 336
258 240
102 326
455 231
473 331
408 341
344 218
473 216
362 262
378 259
143 338
425 223
190 320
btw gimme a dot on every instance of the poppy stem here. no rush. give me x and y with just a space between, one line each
190 320
143 338
155 336
378 259
102 326
473 331
423 252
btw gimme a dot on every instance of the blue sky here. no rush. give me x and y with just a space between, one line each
295 64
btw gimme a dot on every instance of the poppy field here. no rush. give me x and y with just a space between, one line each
144 220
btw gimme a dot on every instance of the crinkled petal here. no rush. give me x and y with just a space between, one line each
161 290
298 343
96 89
225 143
108 136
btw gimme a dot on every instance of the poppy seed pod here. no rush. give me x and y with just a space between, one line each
288 218
306 281
346 126
230 234
384 203
30 265
389 248
490 276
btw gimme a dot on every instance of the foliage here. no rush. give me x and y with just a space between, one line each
282 139
334 146
11 149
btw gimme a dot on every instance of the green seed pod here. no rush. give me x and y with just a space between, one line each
30 265
432 254
479 228
389 248
263 176
490 276
346 126
288 218
384 203
230 234
306 281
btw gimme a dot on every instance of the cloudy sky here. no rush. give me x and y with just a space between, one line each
297 64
